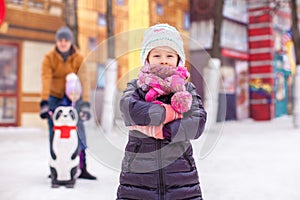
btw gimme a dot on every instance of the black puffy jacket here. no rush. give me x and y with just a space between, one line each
160 169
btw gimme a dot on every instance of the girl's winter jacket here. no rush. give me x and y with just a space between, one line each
55 70
159 169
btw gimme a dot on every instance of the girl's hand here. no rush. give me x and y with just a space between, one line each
171 114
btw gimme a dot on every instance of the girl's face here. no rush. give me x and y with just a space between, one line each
164 56
63 45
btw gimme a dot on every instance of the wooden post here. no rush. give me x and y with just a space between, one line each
296 41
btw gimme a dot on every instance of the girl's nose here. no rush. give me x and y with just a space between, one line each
163 62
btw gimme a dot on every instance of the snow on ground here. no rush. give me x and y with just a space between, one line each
250 160
254 160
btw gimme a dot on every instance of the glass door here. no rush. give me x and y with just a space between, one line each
9 59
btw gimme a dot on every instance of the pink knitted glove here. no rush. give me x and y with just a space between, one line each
151 131
171 114
151 95
181 101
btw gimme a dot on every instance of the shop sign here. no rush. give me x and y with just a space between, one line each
2 11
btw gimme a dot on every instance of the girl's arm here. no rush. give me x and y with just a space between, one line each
136 111
193 123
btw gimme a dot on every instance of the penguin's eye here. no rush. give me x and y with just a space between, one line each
58 114
72 114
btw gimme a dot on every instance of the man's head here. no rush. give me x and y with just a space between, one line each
64 39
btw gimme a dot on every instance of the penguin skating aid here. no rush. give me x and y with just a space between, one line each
64 147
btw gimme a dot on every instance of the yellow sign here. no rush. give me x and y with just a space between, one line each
138 20
290 53
4 27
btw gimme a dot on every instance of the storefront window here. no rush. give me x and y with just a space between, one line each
120 2
186 20
8 110
242 89
101 76
101 19
8 83
159 9
227 84
92 45
234 36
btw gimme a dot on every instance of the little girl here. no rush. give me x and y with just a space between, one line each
158 161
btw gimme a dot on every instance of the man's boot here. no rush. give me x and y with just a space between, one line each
84 173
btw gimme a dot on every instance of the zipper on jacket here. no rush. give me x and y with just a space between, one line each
160 171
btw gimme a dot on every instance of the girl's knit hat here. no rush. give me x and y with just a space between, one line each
162 35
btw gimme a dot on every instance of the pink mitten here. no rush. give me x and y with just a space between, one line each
151 131
151 95
181 101
171 114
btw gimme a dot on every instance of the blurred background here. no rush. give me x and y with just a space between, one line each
254 42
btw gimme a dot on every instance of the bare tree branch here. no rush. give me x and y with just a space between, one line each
216 43
71 19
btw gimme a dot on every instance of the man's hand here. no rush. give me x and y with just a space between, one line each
44 109
84 111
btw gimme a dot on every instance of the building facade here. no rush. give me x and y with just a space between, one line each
257 57
234 76
27 32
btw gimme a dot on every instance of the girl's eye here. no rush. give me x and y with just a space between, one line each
170 56
156 56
